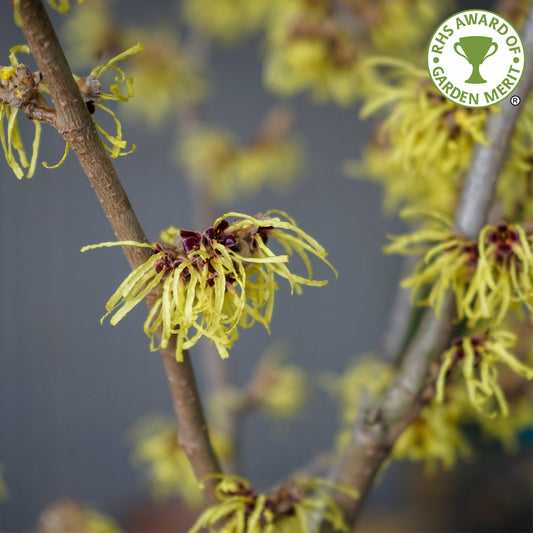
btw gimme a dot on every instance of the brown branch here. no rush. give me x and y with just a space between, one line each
74 123
42 114
376 431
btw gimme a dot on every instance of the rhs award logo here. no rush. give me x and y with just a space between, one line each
476 58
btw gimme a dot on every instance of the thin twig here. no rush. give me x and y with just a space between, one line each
400 317
42 114
382 423
74 123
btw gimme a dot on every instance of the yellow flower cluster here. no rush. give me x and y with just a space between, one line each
210 283
361 382
293 508
19 87
424 145
227 20
309 49
164 463
487 277
433 438
478 357
515 185
386 22
90 33
231 168
166 79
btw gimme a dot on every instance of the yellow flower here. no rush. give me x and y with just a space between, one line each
122 90
514 187
90 33
227 20
292 508
18 87
504 274
166 80
310 50
449 261
231 168
434 437
209 283
166 466
487 277
361 381
423 146
478 358
387 20
364 378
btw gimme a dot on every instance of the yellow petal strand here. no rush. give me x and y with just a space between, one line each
61 161
20 48
35 148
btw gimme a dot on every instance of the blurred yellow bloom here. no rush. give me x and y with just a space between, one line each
227 20
424 145
166 80
293 508
434 437
309 50
506 430
515 187
386 20
363 379
478 358
278 389
90 34
233 169
165 465
214 281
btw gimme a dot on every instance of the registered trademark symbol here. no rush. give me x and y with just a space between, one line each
515 100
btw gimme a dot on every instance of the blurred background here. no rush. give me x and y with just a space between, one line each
71 388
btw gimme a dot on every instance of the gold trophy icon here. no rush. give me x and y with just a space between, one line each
475 50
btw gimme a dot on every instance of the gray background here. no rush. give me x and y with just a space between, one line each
70 388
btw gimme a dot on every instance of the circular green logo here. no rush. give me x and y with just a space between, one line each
476 58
